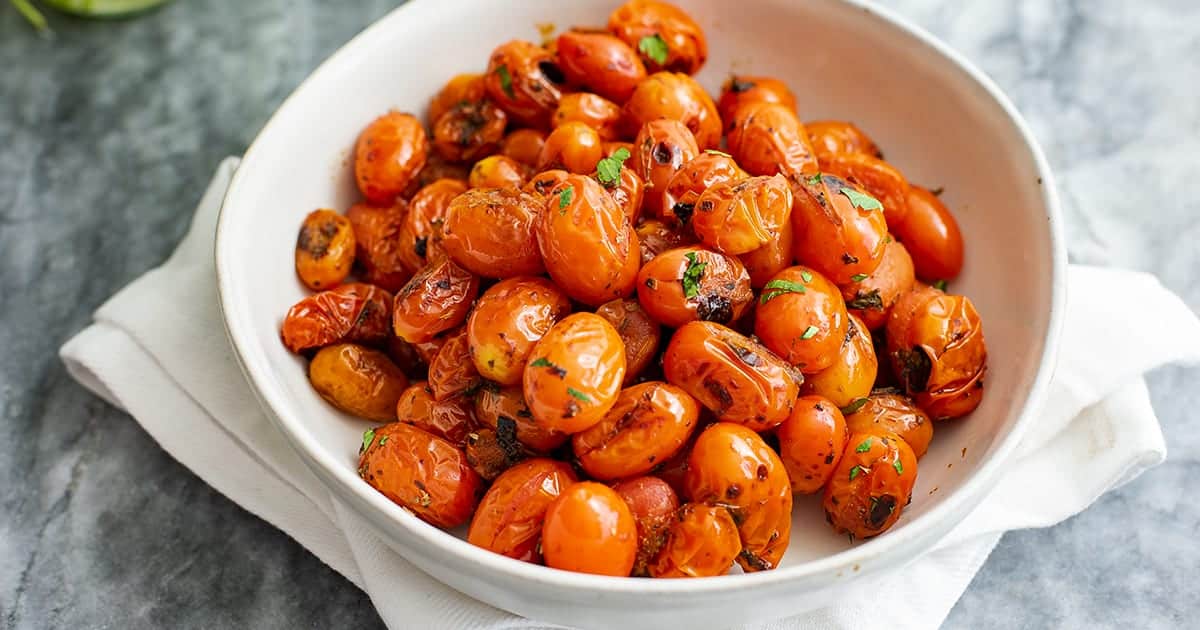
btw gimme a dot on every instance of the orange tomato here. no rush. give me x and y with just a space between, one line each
871 485
593 110
640 334
574 373
421 472
524 80
503 410
436 299
702 541
389 153
648 423
352 312
662 147
452 373
450 419
324 249
840 230
763 263
766 138
685 186
573 146
524 145
836 136
852 374
932 236
742 89
497 171
653 504
589 529
811 442
600 63
674 96
688 284
508 319
801 318
469 130
377 248
871 298
461 87
892 413
420 235
489 231
875 176
509 518
738 218
675 43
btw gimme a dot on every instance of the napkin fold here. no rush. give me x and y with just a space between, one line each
157 349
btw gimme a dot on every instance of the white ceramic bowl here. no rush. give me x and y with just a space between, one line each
936 117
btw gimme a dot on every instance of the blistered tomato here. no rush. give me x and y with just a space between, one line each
377 245
435 300
595 111
574 373
656 237
360 381
600 63
852 374
524 145
871 485
662 147
489 231
871 298
451 373
739 217
449 419
694 177
649 423
880 179
508 319
776 255
676 97
351 312
498 171
524 80
892 413
653 504
469 130
766 138
690 283
742 89
324 249
666 36
840 230
421 472
389 153
460 87
811 442
509 518
801 317
701 541
504 411
420 236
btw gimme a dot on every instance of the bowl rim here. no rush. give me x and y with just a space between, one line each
953 506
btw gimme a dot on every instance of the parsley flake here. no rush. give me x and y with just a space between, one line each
853 407
692 275
940 285
505 81
383 440
813 180
806 276
716 152
541 362
859 277
809 333
898 466
654 47
575 393
608 170
564 197
368 438
865 446
776 288
862 201
856 471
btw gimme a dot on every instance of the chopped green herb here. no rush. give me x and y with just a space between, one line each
776 288
809 332
541 362
856 471
861 200
887 239
608 170
940 285
383 440
575 393
368 438
813 180
505 81
692 275
859 277
898 466
864 447
654 47
806 276
853 407
716 152
564 197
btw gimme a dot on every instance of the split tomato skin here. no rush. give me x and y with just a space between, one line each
648 424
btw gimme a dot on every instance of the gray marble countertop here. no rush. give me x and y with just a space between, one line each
109 132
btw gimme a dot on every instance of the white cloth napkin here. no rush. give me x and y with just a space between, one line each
157 349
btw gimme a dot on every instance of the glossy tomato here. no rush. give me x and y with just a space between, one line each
420 472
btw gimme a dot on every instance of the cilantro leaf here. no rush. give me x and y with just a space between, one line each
575 393
806 276
564 197
853 407
898 466
654 47
505 81
861 200
813 180
809 332
864 447
692 275
859 277
608 170
856 471
940 285
541 362
368 438
716 152
776 288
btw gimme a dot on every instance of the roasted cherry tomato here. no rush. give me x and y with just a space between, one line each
427 350
490 454
676 97
840 230
589 529
852 374
742 89
504 411
600 63
666 37
892 413
435 300
508 319
461 87
436 167
627 189
932 236
452 373
653 504
360 381
469 130
421 233
352 312
801 318
524 145
324 249
811 442
378 252
524 80
489 231
738 218
766 138
662 148
763 263
640 334
880 179
451 419
388 155
588 246
701 541
686 185
871 485
542 183
405 356
732 466
732 375
573 146
648 424
871 298
936 346
592 110
836 136
509 518
688 284
574 373
498 171
420 472
656 237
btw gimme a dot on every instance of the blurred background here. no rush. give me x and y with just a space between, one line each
109 131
